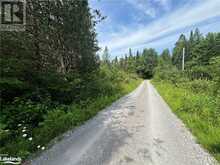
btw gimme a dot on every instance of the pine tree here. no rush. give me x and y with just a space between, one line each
130 53
165 56
106 56
191 44
178 49
197 36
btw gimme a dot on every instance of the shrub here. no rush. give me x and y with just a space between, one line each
57 103
200 86
22 112
199 72
171 74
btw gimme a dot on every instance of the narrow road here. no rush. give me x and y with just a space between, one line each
138 129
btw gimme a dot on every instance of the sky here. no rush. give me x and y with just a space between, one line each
139 24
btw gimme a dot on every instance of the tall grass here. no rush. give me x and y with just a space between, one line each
198 110
48 122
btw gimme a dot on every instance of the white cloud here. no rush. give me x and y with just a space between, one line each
169 24
166 42
147 7
144 6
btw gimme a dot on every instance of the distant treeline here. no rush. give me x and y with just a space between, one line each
200 52
52 78
194 94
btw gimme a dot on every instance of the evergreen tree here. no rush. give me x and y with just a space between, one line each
197 36
165 56
130 53
178 49
106 56
59 39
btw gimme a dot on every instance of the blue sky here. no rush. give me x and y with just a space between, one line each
140 24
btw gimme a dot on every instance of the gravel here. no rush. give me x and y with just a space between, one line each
138 129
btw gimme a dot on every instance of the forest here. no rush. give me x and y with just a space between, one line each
53 79
193 93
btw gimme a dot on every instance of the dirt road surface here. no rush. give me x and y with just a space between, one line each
138 129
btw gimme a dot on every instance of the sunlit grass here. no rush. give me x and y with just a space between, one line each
198 111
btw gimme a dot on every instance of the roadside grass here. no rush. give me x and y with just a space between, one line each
58 121
61 119
199 111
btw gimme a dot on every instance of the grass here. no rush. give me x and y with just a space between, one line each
199 111
61 119
57 122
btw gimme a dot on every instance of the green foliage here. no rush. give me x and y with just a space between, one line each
194 94
177 51
142 64
51 77
22 112
199 51
199 111
214 70
52 118
200 86
59 40
165 58
106 56
168 72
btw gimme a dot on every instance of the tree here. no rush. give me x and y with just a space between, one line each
106 56
115 61
60 38
178 49
165 56
148 63
130 53
191 44
205 50
197 36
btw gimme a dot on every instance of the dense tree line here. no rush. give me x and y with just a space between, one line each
59 41
51 76
54 65
142 64
194 94
201 53
202 63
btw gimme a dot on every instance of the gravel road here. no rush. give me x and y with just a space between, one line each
138 129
